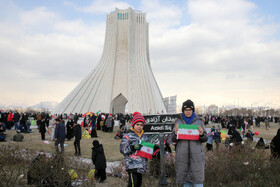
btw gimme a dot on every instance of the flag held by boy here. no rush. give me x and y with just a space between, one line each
146 150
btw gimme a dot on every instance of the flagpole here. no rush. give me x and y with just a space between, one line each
162 181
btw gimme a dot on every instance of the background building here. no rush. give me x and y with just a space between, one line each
213 110
170 104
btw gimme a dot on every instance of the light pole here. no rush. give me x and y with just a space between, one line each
252 109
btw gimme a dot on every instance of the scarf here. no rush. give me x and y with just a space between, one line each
139 134
188 120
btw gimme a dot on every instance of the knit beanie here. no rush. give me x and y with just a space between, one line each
188 104
137 117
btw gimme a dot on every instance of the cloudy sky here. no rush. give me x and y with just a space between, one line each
223 52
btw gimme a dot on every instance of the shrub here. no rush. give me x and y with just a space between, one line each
241 165
22 167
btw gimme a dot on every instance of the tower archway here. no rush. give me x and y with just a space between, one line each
118 104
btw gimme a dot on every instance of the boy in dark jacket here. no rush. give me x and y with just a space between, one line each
78 137
99 160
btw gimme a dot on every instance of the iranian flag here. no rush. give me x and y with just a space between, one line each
188 132
146 150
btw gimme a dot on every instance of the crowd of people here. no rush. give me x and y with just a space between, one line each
238 121
189 168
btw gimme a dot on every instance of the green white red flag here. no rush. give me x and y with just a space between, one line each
188 132
146 150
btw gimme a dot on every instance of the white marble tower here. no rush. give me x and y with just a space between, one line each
123 77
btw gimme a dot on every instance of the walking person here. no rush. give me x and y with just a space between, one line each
28 124
217 138
39 119
99 160
59 135
98 127
43 129
209 144
78 137
109 123
52 125
190 160
16 119
266 122
10 119
93 126
23 121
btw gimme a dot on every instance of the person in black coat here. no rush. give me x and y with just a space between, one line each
69 129
98 127
261 144
43 129
47 119
93 126
23 122
78 137
99 160
275 145
235 136
249 135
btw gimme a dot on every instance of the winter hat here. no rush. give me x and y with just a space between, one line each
188 104
95 143
137 117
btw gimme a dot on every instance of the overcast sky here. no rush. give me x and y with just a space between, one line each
223 52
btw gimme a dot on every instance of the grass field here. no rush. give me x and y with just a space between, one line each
33 141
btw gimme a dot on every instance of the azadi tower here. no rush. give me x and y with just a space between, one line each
123 78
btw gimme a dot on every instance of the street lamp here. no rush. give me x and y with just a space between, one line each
252 109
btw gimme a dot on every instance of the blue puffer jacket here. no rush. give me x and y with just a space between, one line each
133 161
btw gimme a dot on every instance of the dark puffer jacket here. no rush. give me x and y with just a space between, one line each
190 161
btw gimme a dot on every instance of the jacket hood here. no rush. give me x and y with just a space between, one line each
278 133
98 148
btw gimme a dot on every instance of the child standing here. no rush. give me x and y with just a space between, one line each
135 165
99 160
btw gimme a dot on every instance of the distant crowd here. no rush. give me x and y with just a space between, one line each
46 123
